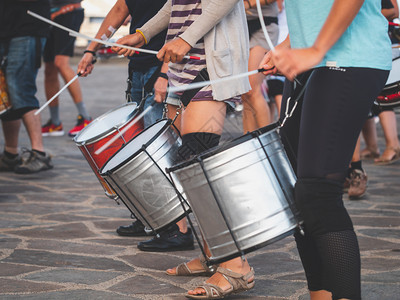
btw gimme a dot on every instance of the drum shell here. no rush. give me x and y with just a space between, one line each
390 95
89 146
142 184
5 103
253 196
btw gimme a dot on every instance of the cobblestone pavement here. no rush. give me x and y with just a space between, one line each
58 239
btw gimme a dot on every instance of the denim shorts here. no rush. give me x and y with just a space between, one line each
21 71
139 79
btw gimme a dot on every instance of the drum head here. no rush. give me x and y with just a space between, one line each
130 150
394 75
106 123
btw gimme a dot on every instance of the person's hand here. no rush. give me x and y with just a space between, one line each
134 40
291 62
267 64
174 51
86 65
160 89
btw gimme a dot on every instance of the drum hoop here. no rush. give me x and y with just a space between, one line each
109 131
167 124
216 150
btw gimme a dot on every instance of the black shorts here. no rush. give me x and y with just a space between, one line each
59 41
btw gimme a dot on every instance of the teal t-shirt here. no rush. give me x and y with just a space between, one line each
365 43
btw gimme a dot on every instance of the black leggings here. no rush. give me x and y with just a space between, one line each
320 138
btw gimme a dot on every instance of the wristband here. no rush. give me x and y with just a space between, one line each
90 51
139 31
248 2
163 75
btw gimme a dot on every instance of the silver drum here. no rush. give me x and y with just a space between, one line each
241 194
137 174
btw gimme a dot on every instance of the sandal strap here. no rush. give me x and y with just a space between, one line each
213 291
182 270
238 281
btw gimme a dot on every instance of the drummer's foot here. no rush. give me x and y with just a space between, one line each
80 124
135 229
224 282
170 240
195 267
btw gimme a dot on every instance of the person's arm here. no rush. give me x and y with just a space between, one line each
160 87
176 49
396 8
388 10
114 19
267 63
291 62
143 34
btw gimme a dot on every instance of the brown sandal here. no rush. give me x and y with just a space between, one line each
239 283
382 162
369 153
183 270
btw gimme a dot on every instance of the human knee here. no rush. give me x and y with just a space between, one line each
321 206
197 142
61 62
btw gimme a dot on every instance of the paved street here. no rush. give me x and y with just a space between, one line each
58 239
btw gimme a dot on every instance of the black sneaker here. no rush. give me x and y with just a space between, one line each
170 240
9 164
135 229
34 163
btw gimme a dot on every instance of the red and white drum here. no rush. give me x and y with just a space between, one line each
100 131
390 95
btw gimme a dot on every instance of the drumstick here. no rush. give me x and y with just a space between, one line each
58 93
125 129
200 84
77 34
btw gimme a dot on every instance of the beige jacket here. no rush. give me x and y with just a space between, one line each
224 27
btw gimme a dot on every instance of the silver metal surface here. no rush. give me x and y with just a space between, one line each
254 191
138 180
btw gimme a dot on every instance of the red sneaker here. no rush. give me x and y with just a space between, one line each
80 124
49 129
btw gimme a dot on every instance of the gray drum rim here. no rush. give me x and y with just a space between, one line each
106 133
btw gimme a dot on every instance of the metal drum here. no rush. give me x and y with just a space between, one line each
390 95
137 174
100 131
241 194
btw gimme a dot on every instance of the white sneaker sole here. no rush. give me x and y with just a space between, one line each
53 133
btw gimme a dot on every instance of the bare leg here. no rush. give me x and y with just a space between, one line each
51 82
320 295
34 129
356 154
67 73
389 126
11 134
370 138
209 117
256 112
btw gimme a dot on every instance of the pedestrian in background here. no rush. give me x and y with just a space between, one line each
57 53
22 39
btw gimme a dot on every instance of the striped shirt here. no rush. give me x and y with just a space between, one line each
183 14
